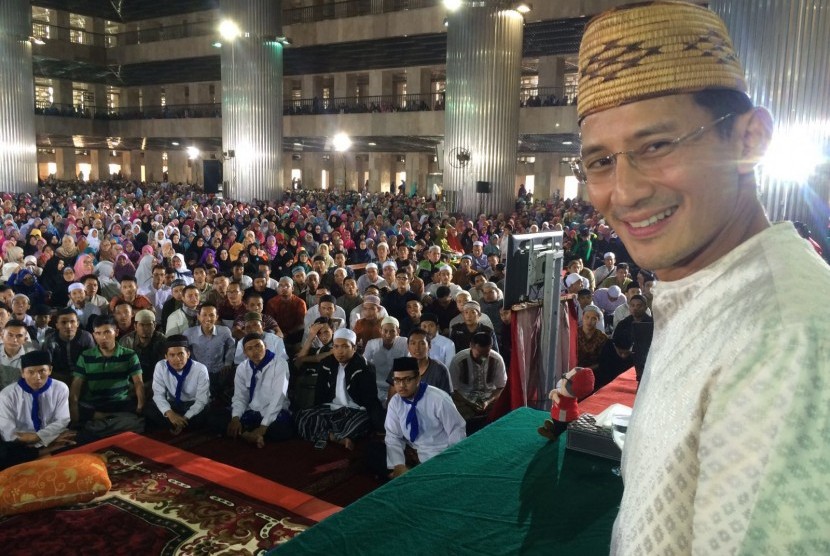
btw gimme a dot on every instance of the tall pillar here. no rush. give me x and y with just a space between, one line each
552 75
783 46
417 167
65 162
380 171
484 54
18 150
99 159
133 165
177 166
153 165
251 111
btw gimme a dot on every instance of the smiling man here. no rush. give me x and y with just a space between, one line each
720 449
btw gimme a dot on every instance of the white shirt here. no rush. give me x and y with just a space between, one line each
273 343
602 272
341 395
432 290
442 349
381 357
313 314
270 392
16 412
482 318
196 388
10 366
439 426
726 449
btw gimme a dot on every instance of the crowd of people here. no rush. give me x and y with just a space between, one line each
144 306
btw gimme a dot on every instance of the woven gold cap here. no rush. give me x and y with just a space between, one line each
654 49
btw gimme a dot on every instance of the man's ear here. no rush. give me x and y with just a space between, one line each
755 138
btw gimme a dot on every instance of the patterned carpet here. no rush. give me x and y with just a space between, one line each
179 505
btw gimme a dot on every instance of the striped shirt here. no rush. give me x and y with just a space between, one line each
107 378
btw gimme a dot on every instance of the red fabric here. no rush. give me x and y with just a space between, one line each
566 410
622 389
221 474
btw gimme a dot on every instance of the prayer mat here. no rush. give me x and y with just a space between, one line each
166 501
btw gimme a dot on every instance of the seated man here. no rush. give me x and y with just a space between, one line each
253 325
381 352
478 377
147 342
441 348
34 412
108 371
346 404
181 389
67 344
259 409
12 350
433 372
471 324
420 417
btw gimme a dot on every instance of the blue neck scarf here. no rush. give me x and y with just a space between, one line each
180 379
269 356
35 399
412 416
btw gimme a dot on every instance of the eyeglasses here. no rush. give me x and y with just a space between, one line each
405 380
647 158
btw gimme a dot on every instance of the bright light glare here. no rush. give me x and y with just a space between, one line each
193 152
523 8
792 157
229 30
452 5
341 142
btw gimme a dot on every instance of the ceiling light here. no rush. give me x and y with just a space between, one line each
452 5
216 44
341 142
229 30
523 8
567 142
373 144
175 143
193 152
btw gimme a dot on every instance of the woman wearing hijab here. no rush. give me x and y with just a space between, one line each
25 282
194 252
84 265
208 258
60 289
144 271
130 251
223 259
361 254
93 240
181 269
123 267
68 251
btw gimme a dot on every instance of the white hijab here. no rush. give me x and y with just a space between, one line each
144 272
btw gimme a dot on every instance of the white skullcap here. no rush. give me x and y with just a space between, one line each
489 286
312 273
614 291
571 279
390 263
478 243
371 265
609 254
445 267
346 334
75 286
592 308
434 248
390 320
373 299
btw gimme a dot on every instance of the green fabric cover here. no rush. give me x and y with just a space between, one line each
504 490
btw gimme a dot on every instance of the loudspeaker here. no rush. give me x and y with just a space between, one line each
483 187
212 170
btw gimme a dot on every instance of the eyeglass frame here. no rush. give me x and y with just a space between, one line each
581 174
405 380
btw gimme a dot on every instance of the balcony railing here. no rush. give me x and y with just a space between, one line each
51 32
175 111
169 33
550 96
352 8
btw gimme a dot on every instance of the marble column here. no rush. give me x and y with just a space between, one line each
18 150
251 107
177 166
783 45
484 54
153 164
65 162
99 160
